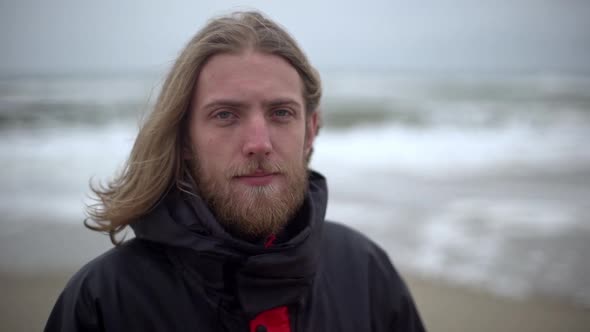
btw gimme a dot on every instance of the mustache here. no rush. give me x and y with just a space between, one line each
252 166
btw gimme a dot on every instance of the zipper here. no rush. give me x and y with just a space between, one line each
295 316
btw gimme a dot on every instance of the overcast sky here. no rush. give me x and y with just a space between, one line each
467 35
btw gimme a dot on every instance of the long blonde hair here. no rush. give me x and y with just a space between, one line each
156 162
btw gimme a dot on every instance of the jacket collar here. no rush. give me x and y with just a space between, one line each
250 276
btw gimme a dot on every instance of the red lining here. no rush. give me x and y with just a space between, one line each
275 320
270 240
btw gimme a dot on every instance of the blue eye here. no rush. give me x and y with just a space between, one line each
224 115
282 113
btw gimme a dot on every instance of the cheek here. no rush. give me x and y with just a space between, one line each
290 144
204 150
213 153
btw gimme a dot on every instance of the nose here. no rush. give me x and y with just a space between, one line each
257 140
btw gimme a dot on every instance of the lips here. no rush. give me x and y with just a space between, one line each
258 178
257 174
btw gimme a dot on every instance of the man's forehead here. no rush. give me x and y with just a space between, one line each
231 77
223 65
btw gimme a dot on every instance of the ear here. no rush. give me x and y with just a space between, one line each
311 130
187 139
187 153
187 148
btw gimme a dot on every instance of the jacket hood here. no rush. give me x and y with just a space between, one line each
242 274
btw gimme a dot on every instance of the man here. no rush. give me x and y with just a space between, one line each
229 221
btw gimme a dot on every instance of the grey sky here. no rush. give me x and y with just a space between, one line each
75 35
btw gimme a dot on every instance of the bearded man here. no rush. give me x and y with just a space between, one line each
228 219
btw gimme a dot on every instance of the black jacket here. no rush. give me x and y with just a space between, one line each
183 272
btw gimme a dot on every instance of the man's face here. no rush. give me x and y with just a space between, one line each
250 141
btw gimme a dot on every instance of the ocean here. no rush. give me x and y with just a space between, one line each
478 180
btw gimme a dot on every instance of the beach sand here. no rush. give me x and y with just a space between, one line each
446 308
31 279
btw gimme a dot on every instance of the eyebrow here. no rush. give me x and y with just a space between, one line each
281 102
237 104
224 103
